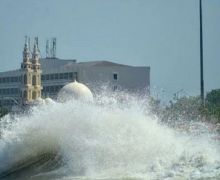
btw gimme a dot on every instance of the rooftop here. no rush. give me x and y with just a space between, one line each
50 64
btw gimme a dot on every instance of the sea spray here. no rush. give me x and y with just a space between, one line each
110 138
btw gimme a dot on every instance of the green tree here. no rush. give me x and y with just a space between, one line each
182 109
213 103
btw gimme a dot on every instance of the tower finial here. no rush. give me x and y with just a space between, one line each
29 43
26 39
26 42
36 41
36 51
26 53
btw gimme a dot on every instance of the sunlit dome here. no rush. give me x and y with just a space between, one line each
75 90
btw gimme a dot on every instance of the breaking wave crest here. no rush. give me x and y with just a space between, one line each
110 138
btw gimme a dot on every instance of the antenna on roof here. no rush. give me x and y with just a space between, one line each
51 48
47 49
54 47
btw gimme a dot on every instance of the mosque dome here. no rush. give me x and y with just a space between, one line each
75 90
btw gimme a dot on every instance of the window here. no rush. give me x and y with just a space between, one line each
25 95
56 76
42 77
14 79
76 76
47 88
66 76
56 88
25 79
29 78
14 91
71 75
115 76
34 80
115 88
61 76
52 76
52 89
34 95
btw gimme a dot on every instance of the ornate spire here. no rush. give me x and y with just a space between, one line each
26 52
36 52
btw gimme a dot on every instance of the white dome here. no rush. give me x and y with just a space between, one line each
75 90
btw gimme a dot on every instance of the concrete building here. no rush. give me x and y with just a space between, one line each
44 77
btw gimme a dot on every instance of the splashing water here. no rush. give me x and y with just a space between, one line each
109 139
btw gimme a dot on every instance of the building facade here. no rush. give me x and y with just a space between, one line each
44 77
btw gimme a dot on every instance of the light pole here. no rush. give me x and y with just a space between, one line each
201 56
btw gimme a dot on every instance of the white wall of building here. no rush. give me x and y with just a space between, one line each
131 79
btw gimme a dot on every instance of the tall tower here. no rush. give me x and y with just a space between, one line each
26 75
36 75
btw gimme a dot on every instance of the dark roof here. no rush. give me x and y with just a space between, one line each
10 73
51 63
59 63
101 63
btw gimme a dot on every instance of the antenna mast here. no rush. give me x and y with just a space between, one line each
54 47
51 48
47 49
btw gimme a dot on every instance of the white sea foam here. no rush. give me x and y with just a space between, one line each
107 139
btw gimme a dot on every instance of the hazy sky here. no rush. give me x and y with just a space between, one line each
162 34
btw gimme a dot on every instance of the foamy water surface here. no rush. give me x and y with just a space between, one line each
107 139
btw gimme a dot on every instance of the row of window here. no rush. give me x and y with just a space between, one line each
51 89
7 102
14 91
70 75
9 91
45 77
10 79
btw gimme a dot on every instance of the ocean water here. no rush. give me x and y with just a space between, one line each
106 139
